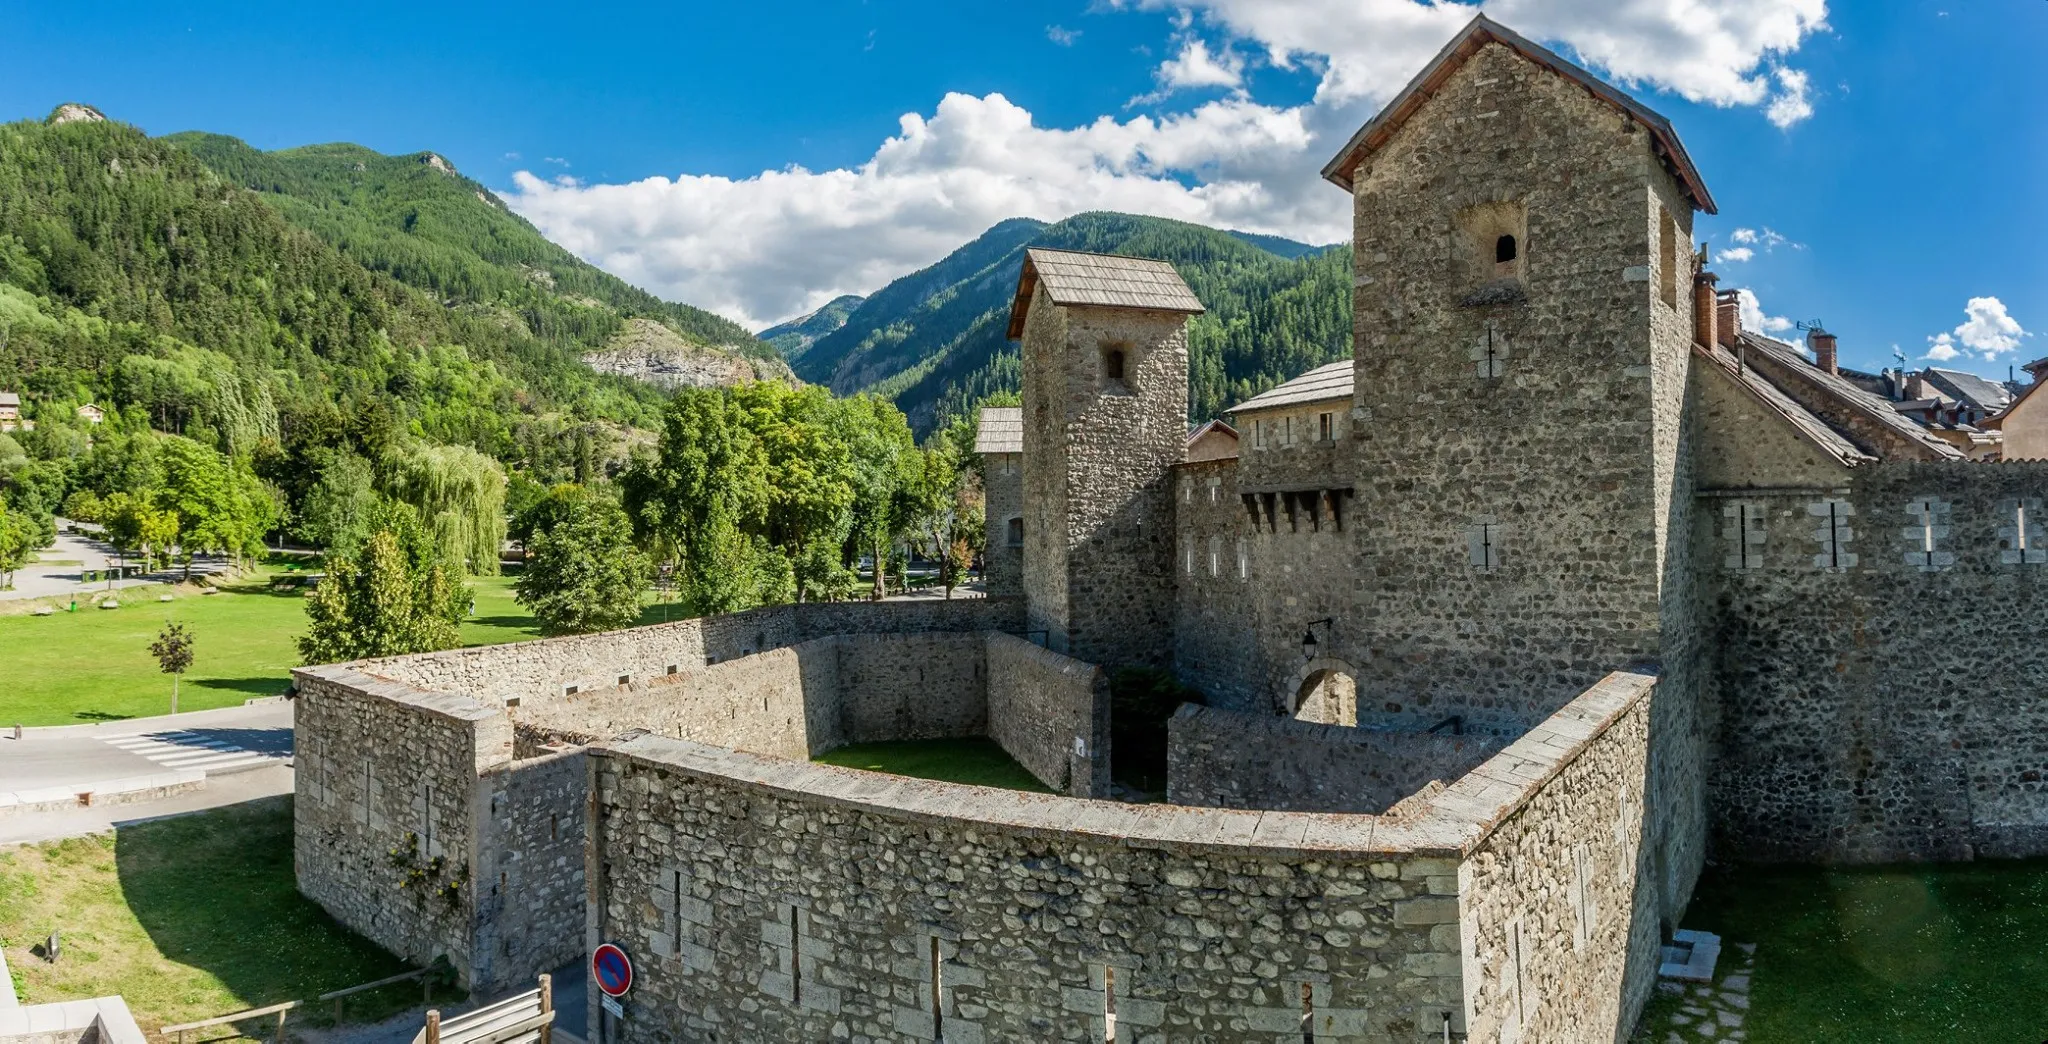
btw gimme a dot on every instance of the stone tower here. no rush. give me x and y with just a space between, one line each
1524 287
1105 420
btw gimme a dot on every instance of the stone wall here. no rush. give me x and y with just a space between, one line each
914 686
1228 759
1217 606
1557 916
384 767
767 900
1878 701
1003 489
540 670
804 902
1051 713
529 870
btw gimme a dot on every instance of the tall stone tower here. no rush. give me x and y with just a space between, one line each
1523 309
1105 420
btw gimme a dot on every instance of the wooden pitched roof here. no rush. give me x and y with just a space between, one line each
1470 41
1327 382
1001 430
1100 280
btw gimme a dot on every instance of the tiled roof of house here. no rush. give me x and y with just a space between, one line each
1981 392
1469 41
10 399
1001 431
1832 388
1329 381
1816 430
1102 280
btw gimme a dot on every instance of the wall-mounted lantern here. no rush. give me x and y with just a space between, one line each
1308 638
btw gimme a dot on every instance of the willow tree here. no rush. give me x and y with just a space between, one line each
460 496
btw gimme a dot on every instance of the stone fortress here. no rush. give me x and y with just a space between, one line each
1562 582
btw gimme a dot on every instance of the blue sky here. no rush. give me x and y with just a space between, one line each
759 159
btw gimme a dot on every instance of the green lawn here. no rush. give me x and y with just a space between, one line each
186 918
1883 955
978 761
94 664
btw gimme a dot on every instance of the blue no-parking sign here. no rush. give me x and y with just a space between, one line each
611 970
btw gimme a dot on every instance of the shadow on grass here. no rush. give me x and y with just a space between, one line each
269 686
215 891
92 715
521 623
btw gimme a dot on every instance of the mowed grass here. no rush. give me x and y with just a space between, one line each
1884 955
94 664
981 762
186 918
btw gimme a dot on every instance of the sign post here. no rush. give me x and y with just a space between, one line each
612 971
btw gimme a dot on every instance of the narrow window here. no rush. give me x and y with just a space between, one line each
1308 1013
1108 1005
938 993
1326 426
427 819
1482 541
1013 532
796 959
1504 250
554 828
1191 560
1287 431
1215 556
1244 565
1113 364
570 690
670 669
675 884
625 680
511 701
1258 434
1667 258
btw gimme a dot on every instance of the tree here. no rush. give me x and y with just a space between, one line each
886 470
173 652
17 542
460 496
82 506
704 499
583 573
392 596
336 511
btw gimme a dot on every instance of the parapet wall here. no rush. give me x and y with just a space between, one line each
419 825
1230 759
543 669
764 899
1878 673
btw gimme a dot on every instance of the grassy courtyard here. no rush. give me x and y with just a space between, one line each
186 918
1881 955
980 762
94 664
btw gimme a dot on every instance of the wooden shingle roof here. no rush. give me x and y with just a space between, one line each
1330 381
1470 41
1100 280
1001 430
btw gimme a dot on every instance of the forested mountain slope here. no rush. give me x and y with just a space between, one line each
417 219
933 340
795 337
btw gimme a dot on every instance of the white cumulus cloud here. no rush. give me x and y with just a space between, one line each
1734 255
1988 330
1061 35
1791 104
1196 66
1755 318
1942 347
778 243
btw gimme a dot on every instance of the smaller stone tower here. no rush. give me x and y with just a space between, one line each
1105 420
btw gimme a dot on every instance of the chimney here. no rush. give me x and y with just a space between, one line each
1704 309
1916 385
1823 345
1728 316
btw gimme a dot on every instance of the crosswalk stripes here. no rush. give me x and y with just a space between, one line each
183 749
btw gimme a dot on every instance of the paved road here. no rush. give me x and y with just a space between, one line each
47 581
231 789
231 739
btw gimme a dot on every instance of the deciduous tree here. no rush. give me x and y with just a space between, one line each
582 571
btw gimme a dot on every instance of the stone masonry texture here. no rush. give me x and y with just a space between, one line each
1229 759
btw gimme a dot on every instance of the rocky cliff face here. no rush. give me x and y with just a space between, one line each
648 351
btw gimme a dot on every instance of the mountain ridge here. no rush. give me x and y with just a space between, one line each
933 341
